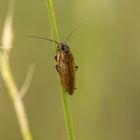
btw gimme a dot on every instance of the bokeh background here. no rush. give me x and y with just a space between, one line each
106 104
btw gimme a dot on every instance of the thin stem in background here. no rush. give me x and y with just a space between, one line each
13 93
65 96
5 70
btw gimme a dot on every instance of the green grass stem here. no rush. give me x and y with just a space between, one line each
65 96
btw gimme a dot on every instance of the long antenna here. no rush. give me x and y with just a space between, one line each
75 28
69 35
42 38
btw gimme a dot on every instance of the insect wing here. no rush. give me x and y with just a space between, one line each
66 68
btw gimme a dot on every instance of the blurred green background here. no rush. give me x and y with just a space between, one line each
106 104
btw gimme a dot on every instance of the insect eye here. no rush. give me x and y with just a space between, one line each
64 48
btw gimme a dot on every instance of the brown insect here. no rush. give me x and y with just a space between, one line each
65 64
66 67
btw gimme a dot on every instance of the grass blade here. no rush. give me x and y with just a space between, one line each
65 96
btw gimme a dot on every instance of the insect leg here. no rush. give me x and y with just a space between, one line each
56 57
76 67
57 68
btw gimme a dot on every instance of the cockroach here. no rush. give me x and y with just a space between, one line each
65 63
66 67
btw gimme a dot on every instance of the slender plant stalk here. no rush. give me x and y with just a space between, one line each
7 75
13 93
65 96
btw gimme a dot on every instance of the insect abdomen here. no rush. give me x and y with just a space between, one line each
67 71
69 80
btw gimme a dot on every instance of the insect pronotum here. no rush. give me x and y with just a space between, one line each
65 63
